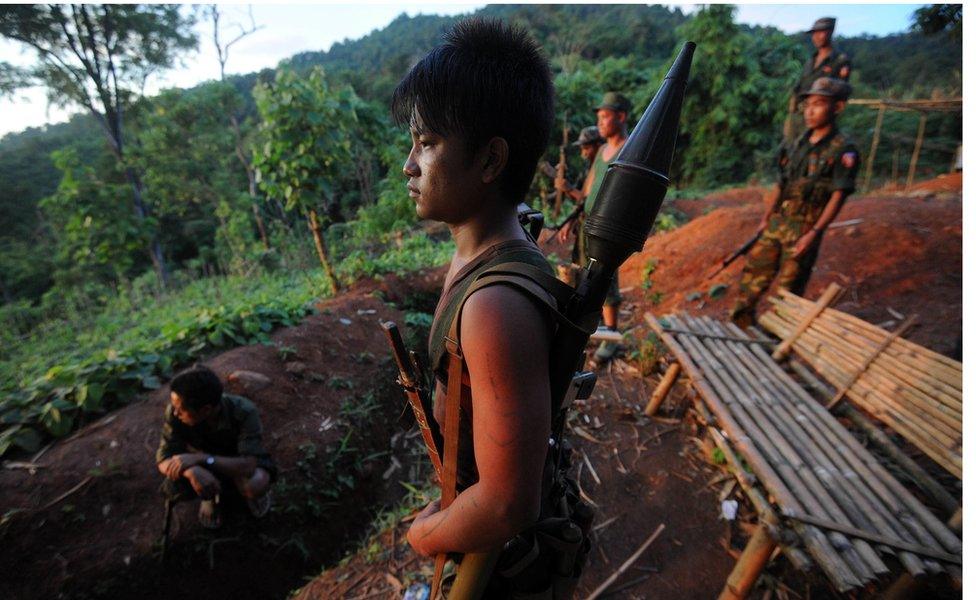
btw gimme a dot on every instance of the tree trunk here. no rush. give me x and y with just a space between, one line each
252 185
155 249
313 224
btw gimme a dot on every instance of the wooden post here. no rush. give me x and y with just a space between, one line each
874 147
823 302
867 363
918 149
894 166
750 565
662 389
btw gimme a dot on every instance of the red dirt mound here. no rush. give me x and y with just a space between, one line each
97 541
903 256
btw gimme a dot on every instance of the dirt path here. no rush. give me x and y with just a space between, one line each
327 377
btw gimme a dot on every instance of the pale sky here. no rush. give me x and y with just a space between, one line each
289 29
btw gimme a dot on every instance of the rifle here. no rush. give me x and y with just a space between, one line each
731 257
561 169
412 388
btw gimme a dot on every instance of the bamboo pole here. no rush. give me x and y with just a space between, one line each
919 476
937 407
948 378
746 481
919 432
774 445
824 455
836 569
662 389
867 363
820 456
941 406
918 148
943 534
874 537
872 330
749 566
825 299
720 337
874 147
925 399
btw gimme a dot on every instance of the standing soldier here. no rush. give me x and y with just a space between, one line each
817 173
589 144
480 108
826 61
611 123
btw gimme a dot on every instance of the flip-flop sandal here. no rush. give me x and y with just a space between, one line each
209 514
259 506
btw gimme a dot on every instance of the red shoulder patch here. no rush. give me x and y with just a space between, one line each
828 69
849 159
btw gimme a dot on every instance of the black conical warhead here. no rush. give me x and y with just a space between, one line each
636 182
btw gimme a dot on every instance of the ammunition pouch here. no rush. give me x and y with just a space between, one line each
545 561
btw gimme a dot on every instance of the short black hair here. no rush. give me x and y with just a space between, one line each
198 387
486 79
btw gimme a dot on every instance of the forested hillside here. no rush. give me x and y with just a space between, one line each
278 177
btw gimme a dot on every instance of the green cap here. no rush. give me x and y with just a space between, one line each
614 101
828 86
589 135
823 24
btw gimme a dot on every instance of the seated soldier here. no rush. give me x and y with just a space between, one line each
211 441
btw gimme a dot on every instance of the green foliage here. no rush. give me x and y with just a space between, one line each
938 18
66 373
736 98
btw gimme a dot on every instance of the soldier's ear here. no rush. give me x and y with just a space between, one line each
839 107
494 159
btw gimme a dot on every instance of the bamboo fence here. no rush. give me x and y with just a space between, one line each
912 389
813 468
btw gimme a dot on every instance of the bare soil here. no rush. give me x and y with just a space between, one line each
100 539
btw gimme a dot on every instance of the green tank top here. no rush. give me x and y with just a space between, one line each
522 251
600 167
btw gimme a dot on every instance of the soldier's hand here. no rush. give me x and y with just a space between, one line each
203 482
562 185
803 244
417 530
180 463
562 236
762 225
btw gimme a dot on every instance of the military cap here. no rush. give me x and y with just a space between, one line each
823 24
589 135
614 101
829 86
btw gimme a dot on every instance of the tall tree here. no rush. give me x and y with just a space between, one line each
240 149
99 57
311 132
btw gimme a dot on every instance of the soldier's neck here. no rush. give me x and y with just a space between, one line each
496 223
820 133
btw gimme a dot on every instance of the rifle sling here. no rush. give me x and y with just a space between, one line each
537 284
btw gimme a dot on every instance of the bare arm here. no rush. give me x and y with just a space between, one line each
506 348
229 466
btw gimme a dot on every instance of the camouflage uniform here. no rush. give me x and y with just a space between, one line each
809 174
836 65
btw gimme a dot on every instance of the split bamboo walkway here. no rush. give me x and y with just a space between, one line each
847 510
913 390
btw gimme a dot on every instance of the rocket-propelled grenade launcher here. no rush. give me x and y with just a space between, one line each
629 199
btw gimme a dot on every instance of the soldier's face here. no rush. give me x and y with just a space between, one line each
185 414
818 111
820 38
610 122
588 151
443 176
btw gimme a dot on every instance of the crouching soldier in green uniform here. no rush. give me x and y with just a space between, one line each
480 109
211 442
817 173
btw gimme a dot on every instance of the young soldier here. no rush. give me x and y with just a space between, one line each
826 61
212 441
611 123
817 173
590 141
480 109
